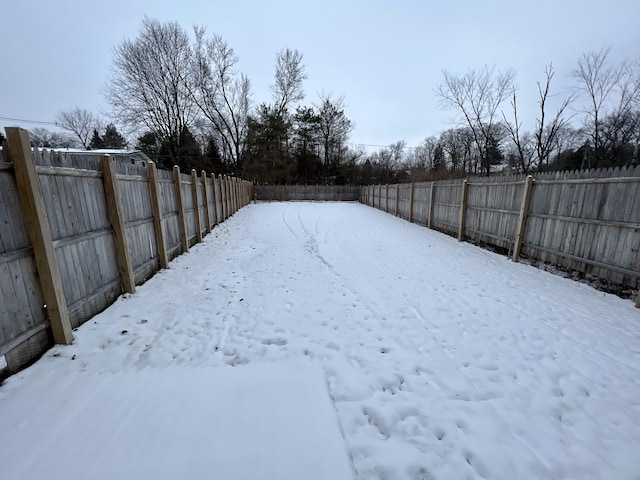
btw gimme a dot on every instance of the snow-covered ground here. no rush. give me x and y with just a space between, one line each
442 360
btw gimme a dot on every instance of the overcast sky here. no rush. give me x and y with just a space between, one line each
384 57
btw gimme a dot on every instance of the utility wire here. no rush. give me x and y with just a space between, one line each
22 120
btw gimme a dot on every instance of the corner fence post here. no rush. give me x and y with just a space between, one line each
463 210
117 222
39 231
154 189
522 219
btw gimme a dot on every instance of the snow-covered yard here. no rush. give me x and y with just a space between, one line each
442 360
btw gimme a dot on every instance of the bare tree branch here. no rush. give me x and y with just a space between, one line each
80 122
289 75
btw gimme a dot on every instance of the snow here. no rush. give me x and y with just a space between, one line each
176 423
441 360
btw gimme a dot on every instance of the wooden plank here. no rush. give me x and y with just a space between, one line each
432 195
463 203
116 216
522 218
182 222
411 190
67 172
223 196
196 206
215 199
205 196
39 232
156 206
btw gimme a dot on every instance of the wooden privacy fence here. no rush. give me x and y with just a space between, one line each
588 221
321 193
76 231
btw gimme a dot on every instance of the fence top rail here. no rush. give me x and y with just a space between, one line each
590 180
495 184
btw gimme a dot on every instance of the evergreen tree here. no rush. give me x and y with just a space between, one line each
267 149
150 145
213 158
306 145
112 138
96 141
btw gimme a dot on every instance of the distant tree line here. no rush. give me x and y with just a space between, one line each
190 106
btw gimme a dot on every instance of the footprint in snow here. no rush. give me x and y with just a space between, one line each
274 341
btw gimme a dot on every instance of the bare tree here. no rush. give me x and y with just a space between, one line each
79 121
477 95
533 150
289 75
422 157
612 91
222 94
42 137
146 89
458 145
546 133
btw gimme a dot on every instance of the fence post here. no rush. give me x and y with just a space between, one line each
39 231
432 196
157 214
182 223
117 221
196 205
205 199
522 219
411 188
215 201
463 210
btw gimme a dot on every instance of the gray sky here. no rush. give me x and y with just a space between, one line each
384 57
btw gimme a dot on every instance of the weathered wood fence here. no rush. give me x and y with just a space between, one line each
320 193
77 231
587 221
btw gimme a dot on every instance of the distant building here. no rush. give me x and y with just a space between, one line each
134 157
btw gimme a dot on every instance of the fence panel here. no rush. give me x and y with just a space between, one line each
74 198
135 200
22 315
320 193
587 225
588 221
421 202
446 206
169 207
492 211
82 240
